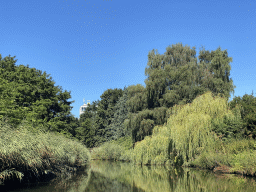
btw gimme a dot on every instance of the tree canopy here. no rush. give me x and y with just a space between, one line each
176 77
28 94
248 113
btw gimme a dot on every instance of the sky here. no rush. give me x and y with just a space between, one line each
89 46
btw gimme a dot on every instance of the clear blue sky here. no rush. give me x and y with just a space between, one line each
90 46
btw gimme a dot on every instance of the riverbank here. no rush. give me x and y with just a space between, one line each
205 134
233 156
30 155
160 178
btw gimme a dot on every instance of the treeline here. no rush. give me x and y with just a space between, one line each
176 77
34 116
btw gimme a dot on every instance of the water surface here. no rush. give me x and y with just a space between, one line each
118 176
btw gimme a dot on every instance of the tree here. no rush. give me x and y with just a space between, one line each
27 94
177 78
136 98
217 63
191 127
86 131
105 114
248 113
116 129
171 76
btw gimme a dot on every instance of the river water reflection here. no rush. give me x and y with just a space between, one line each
117 176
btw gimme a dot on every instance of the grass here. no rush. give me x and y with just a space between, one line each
236 155
114 150
30 149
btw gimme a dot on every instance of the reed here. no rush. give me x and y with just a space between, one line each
38 151
107 151
120 149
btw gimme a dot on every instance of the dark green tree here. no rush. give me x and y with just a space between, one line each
86 131
27 94
218 64
248 113
105 114
177 78
116 129
136 98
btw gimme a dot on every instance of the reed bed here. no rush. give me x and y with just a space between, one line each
28 149
114 150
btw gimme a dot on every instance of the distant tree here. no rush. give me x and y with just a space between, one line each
217 63
86 131
136 98
177 78
27 94
116 128
105 114
248 113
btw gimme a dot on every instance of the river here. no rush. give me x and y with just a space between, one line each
118 176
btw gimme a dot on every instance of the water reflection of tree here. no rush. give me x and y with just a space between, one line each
69 183
160 178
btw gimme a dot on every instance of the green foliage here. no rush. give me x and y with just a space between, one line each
105 113
159 115
238 155
144 121
114 150
116 129
107 151
152 150
217 63
142 125
176 78
229 126
125 142
95 127
86 133
248 113
27 94
136 100
190 125
86 129
166 72
33 148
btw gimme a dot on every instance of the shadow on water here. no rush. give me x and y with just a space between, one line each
68 182
118 176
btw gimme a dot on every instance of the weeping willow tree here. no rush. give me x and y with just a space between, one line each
190 125
176 77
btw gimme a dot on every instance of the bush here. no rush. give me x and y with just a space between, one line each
107 151
153 149
25 148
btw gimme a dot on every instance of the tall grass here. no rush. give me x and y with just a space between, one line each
114 150
29 149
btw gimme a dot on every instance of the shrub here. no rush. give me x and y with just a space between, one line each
107 151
